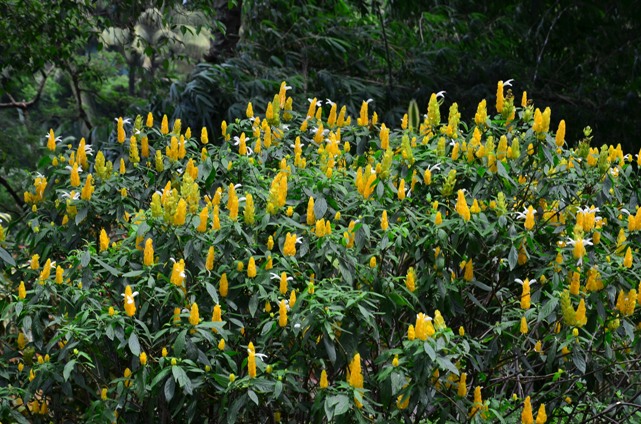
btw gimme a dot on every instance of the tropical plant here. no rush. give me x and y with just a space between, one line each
315 266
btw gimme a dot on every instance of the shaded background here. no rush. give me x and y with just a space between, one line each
74 67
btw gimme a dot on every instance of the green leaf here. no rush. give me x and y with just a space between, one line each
330 349
548 308
429 350
320 207
132 274
342 405
513 258
179 344
7 257
169 389
85 258
66 372
253 304
212 293
252 395
113 271
278 388
180 375
134 344
81 215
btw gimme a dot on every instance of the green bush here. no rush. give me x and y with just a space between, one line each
311 267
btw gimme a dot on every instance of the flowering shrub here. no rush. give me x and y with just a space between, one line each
310 266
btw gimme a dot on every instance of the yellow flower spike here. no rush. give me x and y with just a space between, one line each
282 314
46 271
130 304
59 274
311 217
164 125
194 316
251 363
627 260
363 119
462 385
475 207
468 274
203 217
150 120
178 273
144 147
384 136
181 212
401 190
480 117
438 218
580 318
560 134
461 206
500 99
538 346
372 262
223 285
575 283
525 295
323 384
526 414
75 176
22 291
221 344
541 416
209 262
251 268
104 240
51 141
523 327
216 316
143 358
249 112
120 130
411 333
148 257
289 247
292 299
461 331
410 280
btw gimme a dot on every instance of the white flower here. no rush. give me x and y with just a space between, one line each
297 325
508 83
441 94
57 139
66 194
130 299
329 102
124 120
585 242
70 168
318 102
518 280
88 150
276 276
435 167
523 215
